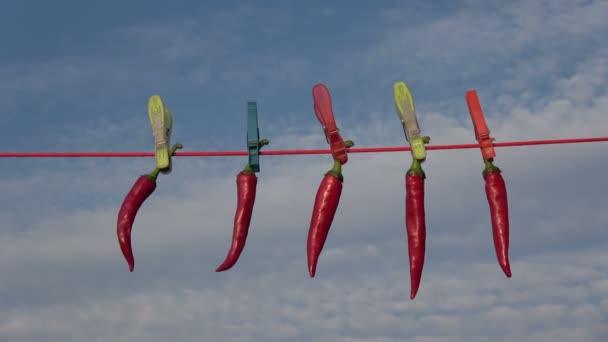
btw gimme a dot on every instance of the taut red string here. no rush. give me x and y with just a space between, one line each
292 152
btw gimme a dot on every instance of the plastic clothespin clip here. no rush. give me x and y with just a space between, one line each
324 111
482 133
406 111
253 136
162 126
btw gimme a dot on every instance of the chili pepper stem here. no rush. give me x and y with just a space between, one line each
490 167
416 168
154 174
336 170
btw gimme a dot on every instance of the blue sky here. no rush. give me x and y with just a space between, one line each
76 76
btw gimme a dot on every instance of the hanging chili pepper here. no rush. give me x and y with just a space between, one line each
496 190
324 210
326 204
141 190
328 194
246 182
496 193
415 223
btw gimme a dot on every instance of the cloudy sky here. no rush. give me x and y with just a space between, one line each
76 76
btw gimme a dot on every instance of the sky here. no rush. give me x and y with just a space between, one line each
76 76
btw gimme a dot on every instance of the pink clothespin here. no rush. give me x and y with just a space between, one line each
325 114
482 133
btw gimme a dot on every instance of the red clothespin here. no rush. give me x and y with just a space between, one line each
325 114
482 133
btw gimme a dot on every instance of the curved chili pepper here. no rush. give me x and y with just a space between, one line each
415 223
141 190
496 192
246 182
326 204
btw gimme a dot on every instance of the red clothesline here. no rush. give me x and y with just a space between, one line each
292 152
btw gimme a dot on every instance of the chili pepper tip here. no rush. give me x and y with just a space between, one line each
223 267
414 289
312 269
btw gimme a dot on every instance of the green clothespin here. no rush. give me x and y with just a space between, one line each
404 103
254 144
162 125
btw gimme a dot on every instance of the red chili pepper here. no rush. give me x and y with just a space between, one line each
496 192
415 223
141 190
246 182
326 204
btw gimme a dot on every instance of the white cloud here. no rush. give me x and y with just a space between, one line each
284 306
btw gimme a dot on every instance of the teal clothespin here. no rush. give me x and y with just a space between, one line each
253 136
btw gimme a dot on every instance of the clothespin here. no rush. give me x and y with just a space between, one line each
406 111
162 125
253 136
324 111
482 133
